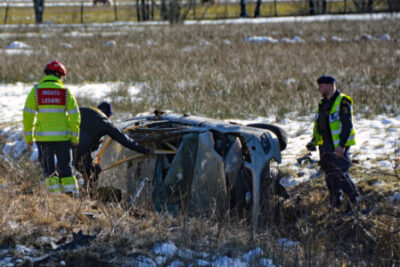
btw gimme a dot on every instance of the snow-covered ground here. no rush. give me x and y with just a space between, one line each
377 139
288 19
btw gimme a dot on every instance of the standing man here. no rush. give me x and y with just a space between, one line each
96 124
56 127
334 134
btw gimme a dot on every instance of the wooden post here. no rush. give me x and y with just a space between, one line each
6 13
115 11
345 5
275 8
82 12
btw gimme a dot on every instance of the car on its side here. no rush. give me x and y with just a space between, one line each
200 165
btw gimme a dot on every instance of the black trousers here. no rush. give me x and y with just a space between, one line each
83 162
61 150
337 176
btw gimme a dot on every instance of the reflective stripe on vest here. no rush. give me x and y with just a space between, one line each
72 111
53 184
51 110
335 125
54 133
29 110
28 133
70 184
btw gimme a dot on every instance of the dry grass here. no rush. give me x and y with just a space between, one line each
238 80
226 80
326 238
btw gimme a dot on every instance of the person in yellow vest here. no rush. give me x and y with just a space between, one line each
51 118
334 133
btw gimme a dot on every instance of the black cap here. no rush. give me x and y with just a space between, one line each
326 79
106 108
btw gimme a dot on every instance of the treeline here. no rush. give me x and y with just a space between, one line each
176 11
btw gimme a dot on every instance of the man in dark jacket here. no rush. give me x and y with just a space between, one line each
334 134
94 125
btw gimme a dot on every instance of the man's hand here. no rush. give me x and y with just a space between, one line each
339 152
310 146
74 144
30 144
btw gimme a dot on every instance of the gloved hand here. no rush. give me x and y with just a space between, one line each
310 146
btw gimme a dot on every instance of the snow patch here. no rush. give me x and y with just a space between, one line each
260 39
338 39
284 242
67 45
189 48
166 249
385 37
111 43
395 199
225 261
265 263
176 263
18 45
252 254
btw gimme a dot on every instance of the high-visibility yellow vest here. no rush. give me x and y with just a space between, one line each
335 124
56 112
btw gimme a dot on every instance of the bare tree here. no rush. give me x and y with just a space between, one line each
365 5
38 5
174 11
394 5
257 10
243 12
317 6
171 11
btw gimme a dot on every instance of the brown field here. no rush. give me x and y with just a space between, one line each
210 70
195 69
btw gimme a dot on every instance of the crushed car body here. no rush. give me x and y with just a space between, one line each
200 165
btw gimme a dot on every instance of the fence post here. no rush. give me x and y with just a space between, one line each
345 5
81 12
115 10
275 8
6 13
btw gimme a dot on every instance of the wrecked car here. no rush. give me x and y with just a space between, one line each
200 165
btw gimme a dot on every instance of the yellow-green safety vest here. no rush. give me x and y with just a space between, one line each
335 124
55 110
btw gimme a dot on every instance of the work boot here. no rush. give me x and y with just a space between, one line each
53 184
336 201
70 186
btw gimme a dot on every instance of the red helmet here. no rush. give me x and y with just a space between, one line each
55 66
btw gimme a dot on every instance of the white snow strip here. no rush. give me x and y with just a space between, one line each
165 249
252 254
293 19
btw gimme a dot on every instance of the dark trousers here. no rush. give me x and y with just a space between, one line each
47 153
83 163
337 176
